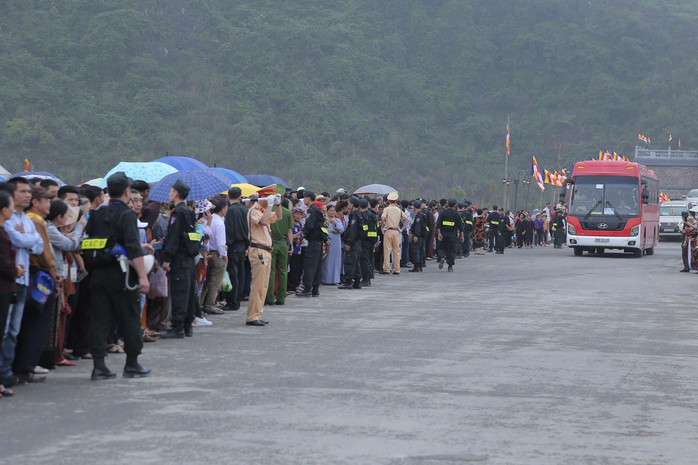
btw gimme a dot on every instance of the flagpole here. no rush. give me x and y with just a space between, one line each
506 166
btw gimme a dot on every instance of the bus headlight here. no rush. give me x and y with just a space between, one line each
571 230
635 231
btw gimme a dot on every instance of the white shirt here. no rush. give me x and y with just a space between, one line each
217 239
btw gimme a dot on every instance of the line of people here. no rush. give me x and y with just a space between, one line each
87 272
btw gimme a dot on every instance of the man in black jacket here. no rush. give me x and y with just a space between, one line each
237 240
449 229
179 248
315 233
351 279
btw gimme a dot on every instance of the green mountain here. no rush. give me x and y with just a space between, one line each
412 93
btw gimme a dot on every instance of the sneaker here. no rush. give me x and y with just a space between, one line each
40 370
441 263
202 321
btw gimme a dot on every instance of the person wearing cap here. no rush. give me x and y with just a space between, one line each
392 220
282 248
449 229
369 237
62 216
237 240
418 234
110 299
179 248
352 247
260 218
315 232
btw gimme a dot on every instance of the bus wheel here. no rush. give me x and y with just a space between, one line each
649 251
578 251
637 253
600 250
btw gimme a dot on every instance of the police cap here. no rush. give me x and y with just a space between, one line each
119 181
181 188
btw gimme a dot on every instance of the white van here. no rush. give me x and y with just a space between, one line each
692 198
670 220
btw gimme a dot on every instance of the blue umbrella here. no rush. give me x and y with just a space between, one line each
203 184
235 177
149 171
182 163
262 180
38 174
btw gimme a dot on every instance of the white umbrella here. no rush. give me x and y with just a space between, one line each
378 189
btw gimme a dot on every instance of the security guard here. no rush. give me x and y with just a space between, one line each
180 246
494 223
418 234
352 247
110 229
369 237
449 229
467 216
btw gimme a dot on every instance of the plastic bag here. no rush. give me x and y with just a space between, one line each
158 284
226 285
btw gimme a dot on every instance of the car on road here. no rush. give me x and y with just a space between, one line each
670 221
692 197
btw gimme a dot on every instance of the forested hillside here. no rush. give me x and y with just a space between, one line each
412 93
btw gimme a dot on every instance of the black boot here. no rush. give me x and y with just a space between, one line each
133 369
177 332
100 370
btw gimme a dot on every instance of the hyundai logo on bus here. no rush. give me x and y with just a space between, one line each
602 226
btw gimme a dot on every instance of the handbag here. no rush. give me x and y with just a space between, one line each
42 287
158 284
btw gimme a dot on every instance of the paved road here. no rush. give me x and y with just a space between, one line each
534 357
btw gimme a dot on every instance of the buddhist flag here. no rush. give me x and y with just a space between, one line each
669 137
26 165
679 143
535 172
663 197
506 144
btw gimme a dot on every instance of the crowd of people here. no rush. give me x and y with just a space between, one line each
85 272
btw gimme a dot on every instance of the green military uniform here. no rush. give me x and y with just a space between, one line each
279 257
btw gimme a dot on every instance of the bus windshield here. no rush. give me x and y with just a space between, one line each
604 196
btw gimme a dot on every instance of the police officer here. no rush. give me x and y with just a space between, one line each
449 229
352 247
467 216
418 234
369 237
494 221
180 246
110 299
315 233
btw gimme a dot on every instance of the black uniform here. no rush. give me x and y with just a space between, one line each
494 222
419 234
467 217
110 300
237 239
559 229
369 237
352 238
315 233
180 247
450 225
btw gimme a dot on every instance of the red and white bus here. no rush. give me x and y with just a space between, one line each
612 205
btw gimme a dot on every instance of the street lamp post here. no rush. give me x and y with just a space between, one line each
505 182
518 177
